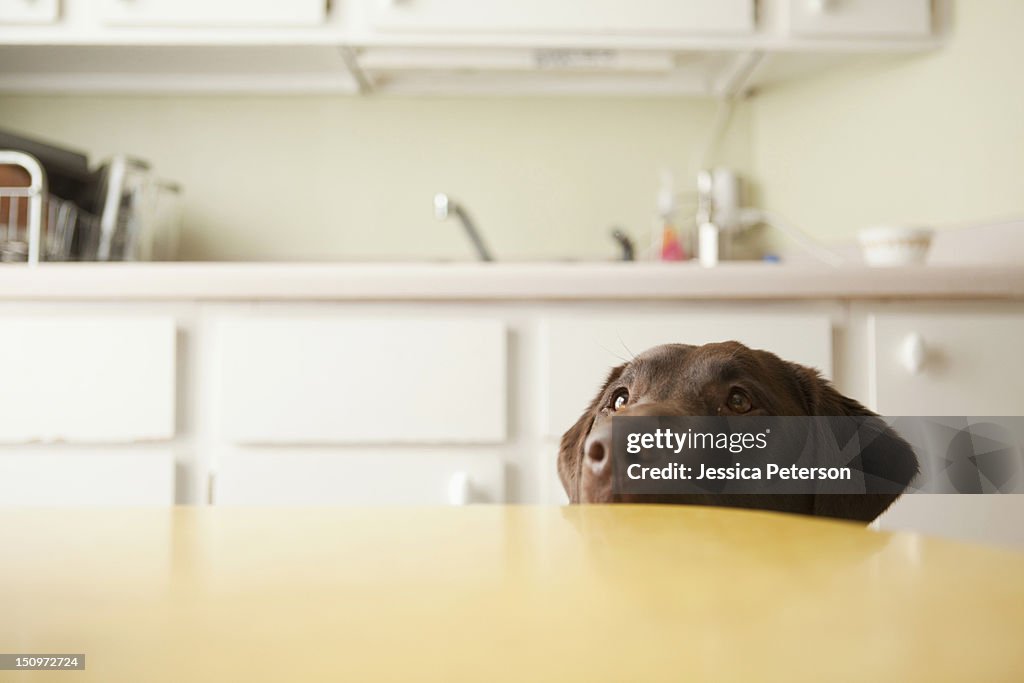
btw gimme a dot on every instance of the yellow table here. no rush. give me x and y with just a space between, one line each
499 593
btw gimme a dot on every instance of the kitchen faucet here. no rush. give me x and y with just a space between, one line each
445 205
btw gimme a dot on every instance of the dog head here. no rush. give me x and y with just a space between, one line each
723 379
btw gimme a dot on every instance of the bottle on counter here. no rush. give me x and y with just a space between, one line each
708 233
667 243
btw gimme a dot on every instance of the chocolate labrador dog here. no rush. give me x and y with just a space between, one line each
725 379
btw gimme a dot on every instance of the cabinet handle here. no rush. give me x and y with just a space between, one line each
458 489
819 6
914 353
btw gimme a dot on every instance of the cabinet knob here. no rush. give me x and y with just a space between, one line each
914 353
458 489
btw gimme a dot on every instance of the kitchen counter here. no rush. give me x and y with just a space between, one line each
594 593
501 281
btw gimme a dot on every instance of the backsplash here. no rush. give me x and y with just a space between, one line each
935 139
334 177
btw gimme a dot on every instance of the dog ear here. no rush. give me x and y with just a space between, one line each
887 461
570 451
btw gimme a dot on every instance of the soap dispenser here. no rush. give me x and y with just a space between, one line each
667 242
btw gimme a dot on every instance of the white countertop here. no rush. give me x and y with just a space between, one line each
500 281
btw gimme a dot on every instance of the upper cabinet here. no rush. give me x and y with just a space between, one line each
708 48
604 17
206 13
907 18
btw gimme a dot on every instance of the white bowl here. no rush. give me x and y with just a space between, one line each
895 245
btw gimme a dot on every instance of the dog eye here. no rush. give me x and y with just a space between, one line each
619 399
738 401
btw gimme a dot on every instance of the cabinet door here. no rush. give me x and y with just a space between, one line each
309 380
947 363
87 477
358 478
28 11
950 364
994 518
579 351
565 16
106 380
860 18
237 13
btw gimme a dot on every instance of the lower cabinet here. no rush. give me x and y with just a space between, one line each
371 477
943 363
997 519
333 379
29 11
87 379
950 362
412 405
87 477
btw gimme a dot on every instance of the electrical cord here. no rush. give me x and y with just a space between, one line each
719 124
752 217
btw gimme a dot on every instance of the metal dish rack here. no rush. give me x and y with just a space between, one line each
139 216
22 242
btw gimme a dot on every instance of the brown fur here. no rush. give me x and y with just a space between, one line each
683 380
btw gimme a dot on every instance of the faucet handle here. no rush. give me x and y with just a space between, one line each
441 206
625 244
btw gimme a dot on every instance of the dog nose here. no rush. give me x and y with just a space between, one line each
597 450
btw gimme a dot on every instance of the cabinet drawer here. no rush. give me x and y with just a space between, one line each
87 478
860 18
579 352
29 11
358 478
230 13
373 381
87 379
566 16
966 363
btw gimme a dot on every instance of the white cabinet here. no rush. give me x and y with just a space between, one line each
292 380
29 11
946 363
226 13
579 351
566 16
359 478
860 18
95 379
702 48
87 477
993 518
950 363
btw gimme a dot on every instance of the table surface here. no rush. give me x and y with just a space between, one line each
594 593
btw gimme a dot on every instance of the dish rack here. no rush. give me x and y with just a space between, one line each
137 217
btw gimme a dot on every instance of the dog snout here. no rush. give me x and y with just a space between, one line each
597 451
